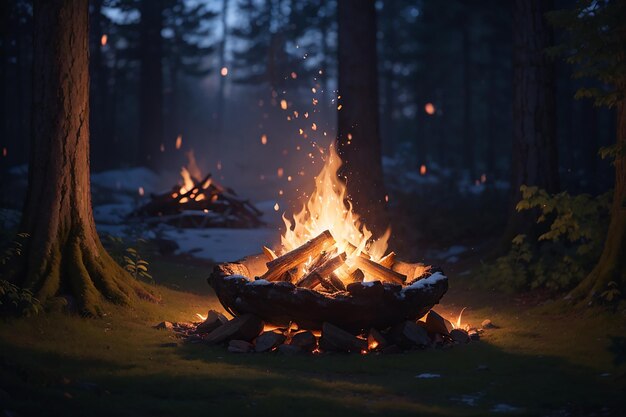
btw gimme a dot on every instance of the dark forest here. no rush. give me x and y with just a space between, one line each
315 207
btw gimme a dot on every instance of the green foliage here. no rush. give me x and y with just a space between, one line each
129 257
595 46
14 249
564 254
15 301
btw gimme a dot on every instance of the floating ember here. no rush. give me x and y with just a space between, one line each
329 268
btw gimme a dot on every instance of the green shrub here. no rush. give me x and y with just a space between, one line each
562 256
15 301
129 257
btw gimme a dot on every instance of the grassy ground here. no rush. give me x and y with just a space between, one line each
536 363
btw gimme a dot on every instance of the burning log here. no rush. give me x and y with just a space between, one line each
298 256
379 272
245 327
388 260
319 274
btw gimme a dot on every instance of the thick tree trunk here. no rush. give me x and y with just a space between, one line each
358 125
63 254
151 83
535 158
612 264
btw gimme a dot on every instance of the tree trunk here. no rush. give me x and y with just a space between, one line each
151 83
63 254
535 158
358 126
219 122
468 133
612 264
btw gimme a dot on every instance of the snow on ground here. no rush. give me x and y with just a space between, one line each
128 180
221 245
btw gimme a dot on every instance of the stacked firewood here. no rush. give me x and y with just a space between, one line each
248 333
204 205
327 270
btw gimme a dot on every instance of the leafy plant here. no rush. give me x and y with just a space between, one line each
562 256
17 301
130 258
14 249
136 266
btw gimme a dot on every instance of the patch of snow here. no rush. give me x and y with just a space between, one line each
111 213
221 245
504 408
470 400
427 376
422 283
259 282
236 276
127 180
368 283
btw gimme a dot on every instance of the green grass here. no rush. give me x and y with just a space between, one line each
539 362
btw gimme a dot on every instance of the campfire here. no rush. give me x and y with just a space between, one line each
330 274
200 202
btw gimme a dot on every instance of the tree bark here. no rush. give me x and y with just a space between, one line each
612 264
63 254
151 83
534 158
358 125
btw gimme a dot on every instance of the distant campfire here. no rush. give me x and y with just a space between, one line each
328 274
199 202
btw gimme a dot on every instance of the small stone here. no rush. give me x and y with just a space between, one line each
305 340
268 341
214 319
473 334
459 336
289 350
375 340
408 334
487 324
239 346
164 325
245 327
437 324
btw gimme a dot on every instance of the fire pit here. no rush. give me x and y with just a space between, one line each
331 270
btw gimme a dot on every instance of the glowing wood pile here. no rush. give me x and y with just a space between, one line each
200 203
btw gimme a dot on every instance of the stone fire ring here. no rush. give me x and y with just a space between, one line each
363 306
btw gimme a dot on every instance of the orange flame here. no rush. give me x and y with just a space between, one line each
326 209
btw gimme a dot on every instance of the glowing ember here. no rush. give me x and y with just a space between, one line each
201 317
423 170
141 191
224 71
283 104
326 209
4 152
104 39
264 139
280 172
276 207
179 141
430 109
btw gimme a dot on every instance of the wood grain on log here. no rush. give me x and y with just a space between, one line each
298 256
321 273
378 271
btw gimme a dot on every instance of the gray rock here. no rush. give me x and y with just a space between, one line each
487 324
268 341
214 319
459 336
305 340
408 334
289 350
437 324
245 327
164 325
240 346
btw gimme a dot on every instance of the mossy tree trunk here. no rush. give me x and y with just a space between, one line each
612 264
63 254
